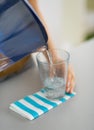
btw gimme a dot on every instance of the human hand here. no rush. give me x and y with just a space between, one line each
60 70
70 80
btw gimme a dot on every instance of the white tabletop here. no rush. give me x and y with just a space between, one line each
76 114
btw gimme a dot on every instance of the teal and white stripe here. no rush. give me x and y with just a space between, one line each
33 106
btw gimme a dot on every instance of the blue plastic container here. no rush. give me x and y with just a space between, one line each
21 33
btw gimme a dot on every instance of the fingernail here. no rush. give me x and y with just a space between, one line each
71 91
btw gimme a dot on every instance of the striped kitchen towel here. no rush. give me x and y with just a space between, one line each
32 106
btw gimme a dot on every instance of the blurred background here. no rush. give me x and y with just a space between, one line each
70 22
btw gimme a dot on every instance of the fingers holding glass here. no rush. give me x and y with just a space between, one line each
70 81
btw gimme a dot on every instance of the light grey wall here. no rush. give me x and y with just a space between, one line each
66 20
52 12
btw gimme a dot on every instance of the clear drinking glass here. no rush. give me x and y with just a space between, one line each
53 69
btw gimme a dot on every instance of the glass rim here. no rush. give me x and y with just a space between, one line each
60 62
